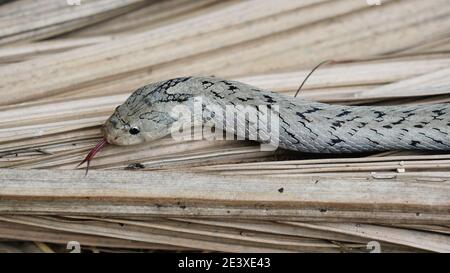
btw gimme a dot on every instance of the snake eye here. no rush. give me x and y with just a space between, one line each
134 131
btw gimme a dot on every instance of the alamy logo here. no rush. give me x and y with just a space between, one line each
227 122
374 247
74 246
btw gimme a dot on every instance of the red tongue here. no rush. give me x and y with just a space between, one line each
92 153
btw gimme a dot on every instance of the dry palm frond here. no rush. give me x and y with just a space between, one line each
65 68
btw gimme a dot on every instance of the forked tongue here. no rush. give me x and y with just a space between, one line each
92 153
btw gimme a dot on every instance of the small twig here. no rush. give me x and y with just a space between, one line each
310 73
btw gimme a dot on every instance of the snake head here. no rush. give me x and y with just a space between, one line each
127 126
147 115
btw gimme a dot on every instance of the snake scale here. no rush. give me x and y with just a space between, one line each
304 126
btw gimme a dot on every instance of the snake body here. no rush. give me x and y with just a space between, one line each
304 125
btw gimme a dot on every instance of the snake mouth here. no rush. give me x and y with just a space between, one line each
92 153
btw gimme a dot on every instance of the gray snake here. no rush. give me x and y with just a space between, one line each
304 126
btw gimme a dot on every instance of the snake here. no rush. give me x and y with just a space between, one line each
303 125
